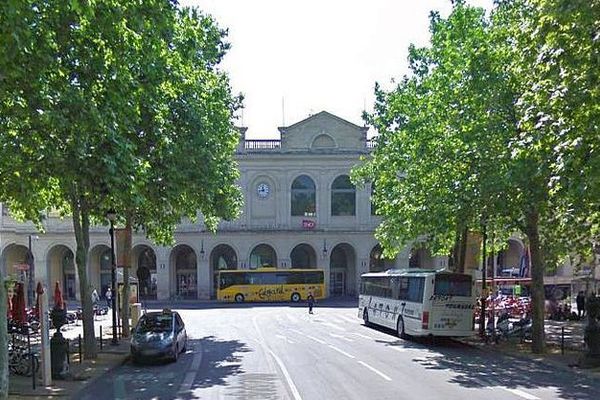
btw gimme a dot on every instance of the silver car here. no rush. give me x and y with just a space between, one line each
158 335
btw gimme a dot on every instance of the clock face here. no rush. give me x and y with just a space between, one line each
263 190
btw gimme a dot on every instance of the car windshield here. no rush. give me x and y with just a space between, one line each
155 323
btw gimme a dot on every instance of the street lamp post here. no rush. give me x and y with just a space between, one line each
111 215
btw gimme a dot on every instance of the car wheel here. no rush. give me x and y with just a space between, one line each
184 349
400 328
295 297
239 298
366 317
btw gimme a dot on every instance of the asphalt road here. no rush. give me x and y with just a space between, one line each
282 352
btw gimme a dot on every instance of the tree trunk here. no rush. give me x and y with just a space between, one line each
462 253
126 268
537 281
81 226
3 342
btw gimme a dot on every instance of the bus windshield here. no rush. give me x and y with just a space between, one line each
452 285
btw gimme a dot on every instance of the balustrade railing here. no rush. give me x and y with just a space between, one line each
262 144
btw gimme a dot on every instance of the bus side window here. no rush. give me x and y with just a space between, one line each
415 289
403 289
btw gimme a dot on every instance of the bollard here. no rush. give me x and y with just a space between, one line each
80 349
562 340
100 337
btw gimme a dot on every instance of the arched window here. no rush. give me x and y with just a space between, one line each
263 255
68 266
185 272
304 197
146 273
105 271
303 256
343 196
377 262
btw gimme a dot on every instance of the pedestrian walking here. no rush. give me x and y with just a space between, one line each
95 297
580 300
311 302
108 296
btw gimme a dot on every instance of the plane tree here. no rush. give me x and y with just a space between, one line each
496 125
115 105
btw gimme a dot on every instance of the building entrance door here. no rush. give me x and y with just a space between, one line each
337 280
69 286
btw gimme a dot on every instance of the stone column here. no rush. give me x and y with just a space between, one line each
203 277
163 275
326 272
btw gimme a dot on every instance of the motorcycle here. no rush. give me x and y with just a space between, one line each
494 331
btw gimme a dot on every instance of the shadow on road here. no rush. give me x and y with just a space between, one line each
221 359
160 379
475 368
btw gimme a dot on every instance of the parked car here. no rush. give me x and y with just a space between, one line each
158 335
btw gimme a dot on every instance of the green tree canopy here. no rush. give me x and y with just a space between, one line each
498 123
115 105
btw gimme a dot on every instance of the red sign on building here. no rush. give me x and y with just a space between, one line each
308 224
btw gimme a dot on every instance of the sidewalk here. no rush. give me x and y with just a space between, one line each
574 347
81 374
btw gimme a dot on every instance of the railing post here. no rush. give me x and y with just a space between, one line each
562 340
100 337
80 349
31 358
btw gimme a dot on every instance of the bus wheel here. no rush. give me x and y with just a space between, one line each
366 317
400 328
295 297
239 298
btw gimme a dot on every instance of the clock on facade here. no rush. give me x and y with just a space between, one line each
263 190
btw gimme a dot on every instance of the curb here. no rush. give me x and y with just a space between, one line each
75 395
93 380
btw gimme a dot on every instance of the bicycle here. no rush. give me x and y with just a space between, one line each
19 360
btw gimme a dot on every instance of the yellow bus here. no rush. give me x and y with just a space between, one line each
270 284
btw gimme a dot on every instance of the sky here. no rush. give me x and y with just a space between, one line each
291 59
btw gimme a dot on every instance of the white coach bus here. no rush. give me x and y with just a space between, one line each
418 302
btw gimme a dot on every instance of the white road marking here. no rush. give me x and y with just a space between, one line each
284 370
517 392
119 387
333 326
187 381
285 339
190 376
196 361
520 393
348 319
341 337
287 376
315 339
341 351
400 349
361 335
384 376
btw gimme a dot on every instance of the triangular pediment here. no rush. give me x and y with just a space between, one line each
323 132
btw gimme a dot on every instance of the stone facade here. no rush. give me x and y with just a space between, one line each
322 147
